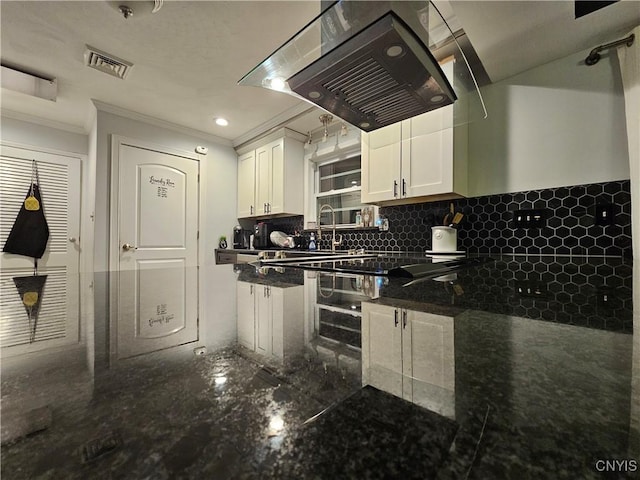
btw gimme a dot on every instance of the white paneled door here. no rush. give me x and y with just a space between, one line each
157 243
55 323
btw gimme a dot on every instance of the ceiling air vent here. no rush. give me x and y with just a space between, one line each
106 62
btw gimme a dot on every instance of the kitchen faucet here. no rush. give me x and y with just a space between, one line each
334 242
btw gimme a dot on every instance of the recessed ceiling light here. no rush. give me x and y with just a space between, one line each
223 122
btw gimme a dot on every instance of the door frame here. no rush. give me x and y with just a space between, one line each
114 232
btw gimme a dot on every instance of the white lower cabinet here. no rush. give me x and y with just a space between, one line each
409 354
270 319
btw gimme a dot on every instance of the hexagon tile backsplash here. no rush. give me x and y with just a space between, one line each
592 220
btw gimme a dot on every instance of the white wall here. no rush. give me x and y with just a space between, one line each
27 133
219 181
555 125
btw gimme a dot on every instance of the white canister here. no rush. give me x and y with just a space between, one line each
444 239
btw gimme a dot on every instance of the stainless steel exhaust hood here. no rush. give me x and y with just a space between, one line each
372 64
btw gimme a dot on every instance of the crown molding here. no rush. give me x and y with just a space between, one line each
275 123
123 112
44 122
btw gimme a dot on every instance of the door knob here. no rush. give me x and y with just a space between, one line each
126 247
72 239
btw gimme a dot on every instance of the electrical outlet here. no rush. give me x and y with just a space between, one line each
530 218
530 289
605 214
605 297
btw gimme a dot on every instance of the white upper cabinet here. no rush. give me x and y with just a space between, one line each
420 159
270 176
247 184
381 164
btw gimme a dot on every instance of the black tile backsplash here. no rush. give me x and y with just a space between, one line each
588 292
573 223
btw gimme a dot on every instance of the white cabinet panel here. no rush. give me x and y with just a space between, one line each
264 321
381 164
277 169
247 184
246 315
382 348
270 319
409 354
415 159
276 202
263 180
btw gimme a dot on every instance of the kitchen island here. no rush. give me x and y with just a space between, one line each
519 367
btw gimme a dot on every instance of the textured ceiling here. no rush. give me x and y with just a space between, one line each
189 56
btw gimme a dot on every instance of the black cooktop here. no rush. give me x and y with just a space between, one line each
387 265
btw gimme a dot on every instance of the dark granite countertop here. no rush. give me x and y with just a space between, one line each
521 368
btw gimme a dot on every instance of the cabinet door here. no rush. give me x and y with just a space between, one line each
263 180
278 312
427 150
429 361
382 348
427 153
247 184
246 314
381 164
264 320
276 152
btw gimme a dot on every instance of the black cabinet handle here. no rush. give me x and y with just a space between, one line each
396 317
395 188
404 188
404 319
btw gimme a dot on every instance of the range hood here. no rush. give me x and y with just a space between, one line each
374 63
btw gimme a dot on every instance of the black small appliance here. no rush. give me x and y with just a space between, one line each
261 233
241 237
237 236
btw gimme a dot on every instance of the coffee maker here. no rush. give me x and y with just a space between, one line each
237 236
261 233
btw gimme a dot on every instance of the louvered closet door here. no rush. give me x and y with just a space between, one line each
58 318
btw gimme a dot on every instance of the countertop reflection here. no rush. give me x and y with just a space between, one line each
517 369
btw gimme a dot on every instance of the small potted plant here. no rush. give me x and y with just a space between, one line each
223 242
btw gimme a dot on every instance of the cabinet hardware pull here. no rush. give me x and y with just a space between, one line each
264 207
395 188
251 209
396 317
404 319
268 208
250 289
404 188
264 292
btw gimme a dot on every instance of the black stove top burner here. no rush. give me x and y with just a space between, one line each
385 265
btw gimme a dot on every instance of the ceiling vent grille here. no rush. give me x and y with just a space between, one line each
107 63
